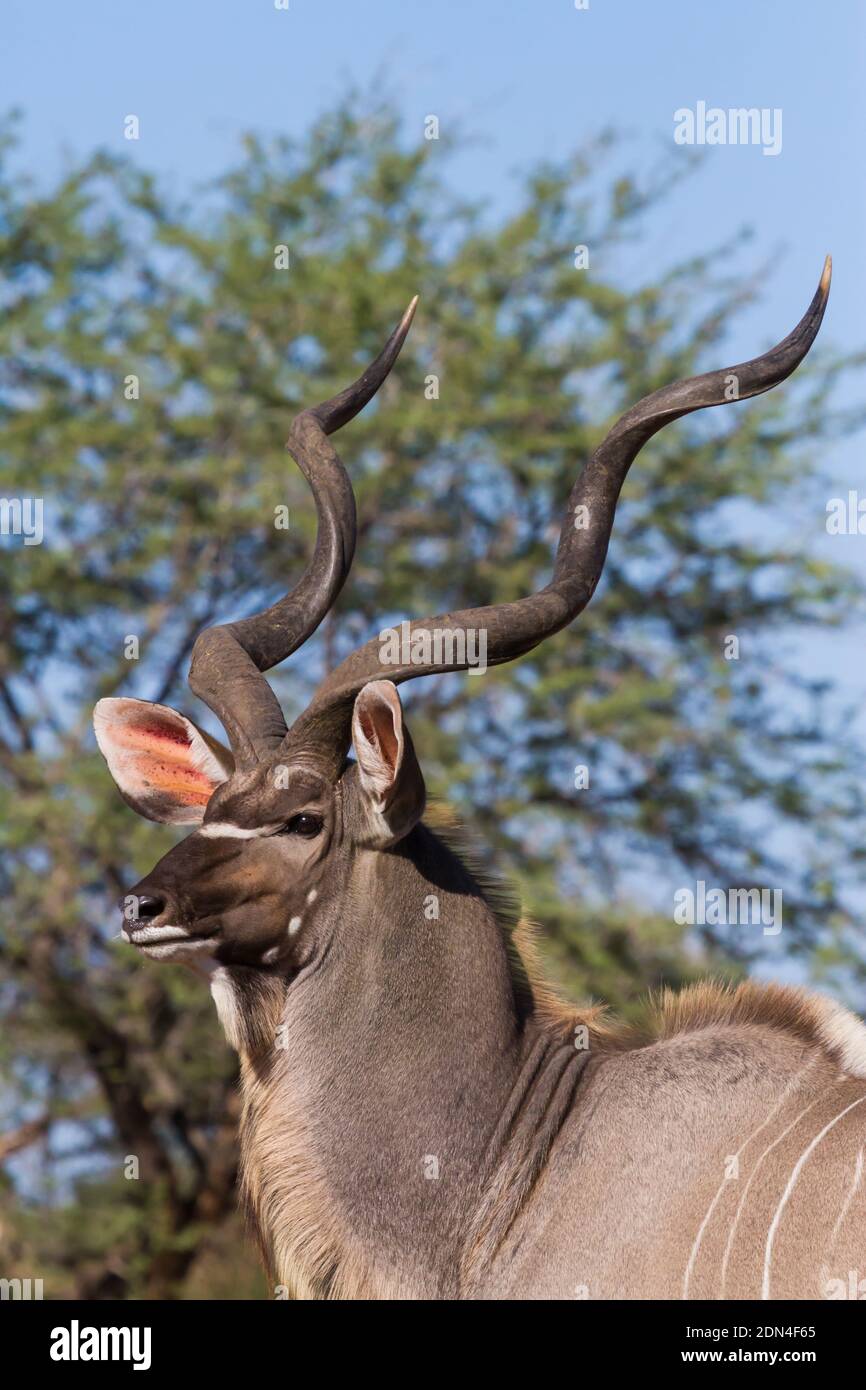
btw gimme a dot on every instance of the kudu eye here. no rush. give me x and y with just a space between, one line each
303 824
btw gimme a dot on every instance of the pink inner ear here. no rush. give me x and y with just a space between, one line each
151 755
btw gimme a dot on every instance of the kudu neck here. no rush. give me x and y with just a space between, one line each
367 1134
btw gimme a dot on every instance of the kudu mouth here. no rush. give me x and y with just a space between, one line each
167 941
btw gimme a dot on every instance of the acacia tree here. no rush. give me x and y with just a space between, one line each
152 358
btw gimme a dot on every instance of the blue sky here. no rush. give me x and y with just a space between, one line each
525 79
529 77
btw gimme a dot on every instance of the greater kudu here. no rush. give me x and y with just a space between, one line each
422 1117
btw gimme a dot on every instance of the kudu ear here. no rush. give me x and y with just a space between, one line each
164 767
390 778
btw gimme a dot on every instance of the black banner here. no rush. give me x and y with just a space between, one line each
80 1339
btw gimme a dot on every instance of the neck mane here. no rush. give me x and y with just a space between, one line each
376 1132
422 1071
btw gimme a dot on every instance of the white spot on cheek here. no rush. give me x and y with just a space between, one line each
294 926
312 895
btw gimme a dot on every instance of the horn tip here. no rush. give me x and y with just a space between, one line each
826 275
410 312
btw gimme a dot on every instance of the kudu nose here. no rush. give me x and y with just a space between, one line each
147 907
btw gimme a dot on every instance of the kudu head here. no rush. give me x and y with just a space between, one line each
281 817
